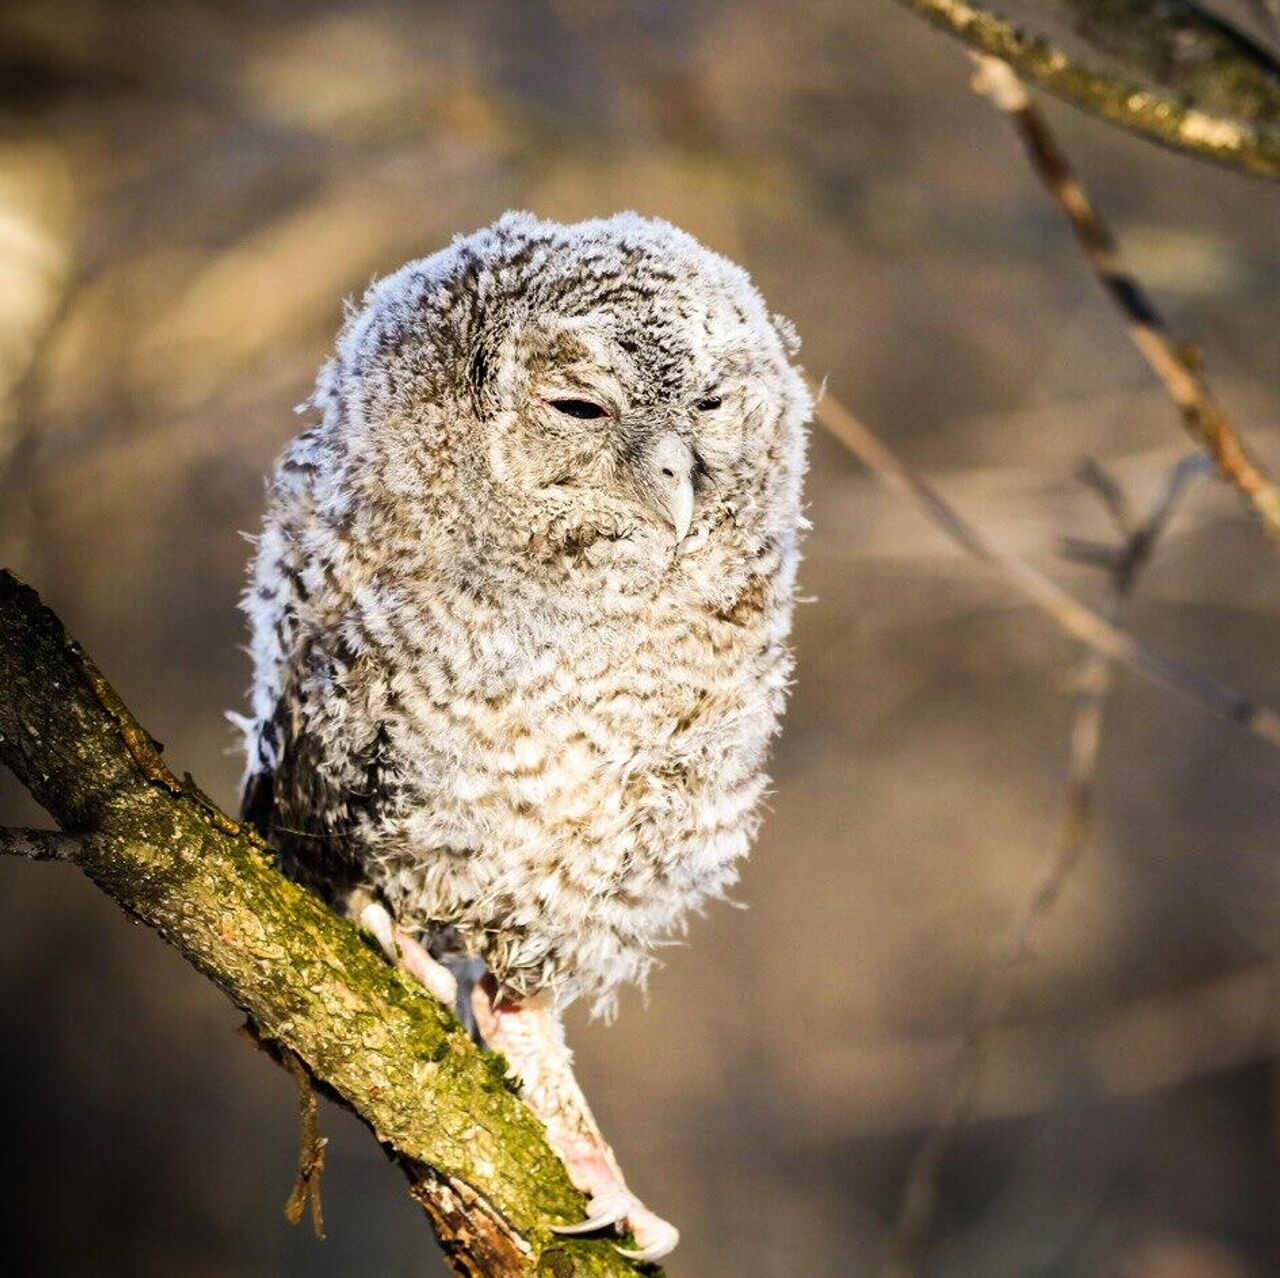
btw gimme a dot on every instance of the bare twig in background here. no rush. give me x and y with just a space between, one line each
1124 565
1202 415
311 1147
1047 1061
1245 138
1078 620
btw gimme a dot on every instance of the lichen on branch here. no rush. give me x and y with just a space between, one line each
476 1158
1225 108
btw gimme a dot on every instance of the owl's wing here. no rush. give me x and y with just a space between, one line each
303 803
258 790
274 603
264 790
257 800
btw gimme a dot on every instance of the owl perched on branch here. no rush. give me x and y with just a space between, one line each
520 612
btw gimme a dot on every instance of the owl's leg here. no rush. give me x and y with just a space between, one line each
531 1037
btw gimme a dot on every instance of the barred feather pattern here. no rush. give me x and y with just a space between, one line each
488 685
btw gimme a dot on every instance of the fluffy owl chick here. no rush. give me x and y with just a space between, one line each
520 613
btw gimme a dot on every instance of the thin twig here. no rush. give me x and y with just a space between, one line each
1202 415
311 1150
1078 620
1157 1041
39 845
1093 681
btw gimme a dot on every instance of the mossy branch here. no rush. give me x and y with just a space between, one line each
1205 89
476 1158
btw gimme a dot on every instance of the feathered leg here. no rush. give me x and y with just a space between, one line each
531 1036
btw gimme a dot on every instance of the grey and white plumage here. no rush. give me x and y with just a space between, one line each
492 685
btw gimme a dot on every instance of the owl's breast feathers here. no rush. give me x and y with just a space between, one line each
560 776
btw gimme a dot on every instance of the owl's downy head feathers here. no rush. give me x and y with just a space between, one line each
609 380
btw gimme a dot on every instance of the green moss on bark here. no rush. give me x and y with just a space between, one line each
477 1159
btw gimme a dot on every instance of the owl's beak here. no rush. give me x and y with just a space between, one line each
668 482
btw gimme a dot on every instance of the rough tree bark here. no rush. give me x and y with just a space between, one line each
476 1159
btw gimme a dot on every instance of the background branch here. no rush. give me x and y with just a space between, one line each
1204 418
1237 124
476 1158
1183 45
1077 619
1093 677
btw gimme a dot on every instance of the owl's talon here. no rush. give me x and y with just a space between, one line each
657 1237
375 918
646 1254
621 1208
591 1225
606 1210
402 948
417 961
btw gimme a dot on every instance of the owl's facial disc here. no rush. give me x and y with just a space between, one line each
620 413
655 462
660 463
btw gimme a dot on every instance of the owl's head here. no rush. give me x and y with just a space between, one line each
610 380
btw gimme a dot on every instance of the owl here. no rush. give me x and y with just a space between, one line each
520 612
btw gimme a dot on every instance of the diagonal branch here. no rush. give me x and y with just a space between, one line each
1203 416
477 1160
1078 620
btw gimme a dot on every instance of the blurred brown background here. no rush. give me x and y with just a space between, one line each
187 193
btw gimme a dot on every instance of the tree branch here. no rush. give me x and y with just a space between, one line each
1124 565
1236 124
1075 618
1179 44
476 1158
1202 415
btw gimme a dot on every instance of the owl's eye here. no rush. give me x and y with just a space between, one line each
585 409
708 403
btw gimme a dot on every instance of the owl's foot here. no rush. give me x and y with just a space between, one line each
402 949
654 1236
417 961
531 1037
